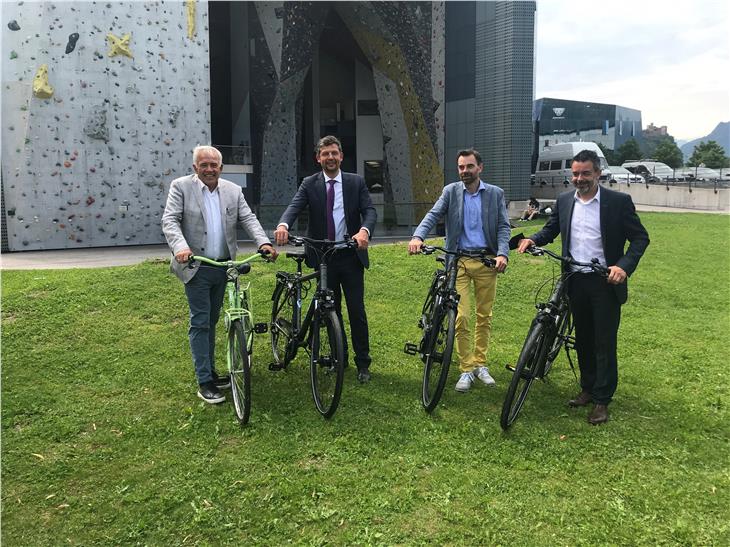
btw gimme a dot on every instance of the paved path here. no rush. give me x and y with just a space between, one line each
124 256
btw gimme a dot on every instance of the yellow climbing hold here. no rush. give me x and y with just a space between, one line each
41 88
119 46
190 8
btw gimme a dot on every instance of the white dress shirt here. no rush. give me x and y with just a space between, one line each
585 231
215 240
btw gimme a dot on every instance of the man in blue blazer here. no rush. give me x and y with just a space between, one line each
476 220
595 222
339 205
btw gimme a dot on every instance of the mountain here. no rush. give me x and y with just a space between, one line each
721 135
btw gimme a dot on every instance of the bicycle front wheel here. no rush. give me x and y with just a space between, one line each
282 313
564 329
239 368
438 350
326 362
529 363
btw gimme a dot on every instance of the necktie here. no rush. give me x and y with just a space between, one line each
330 209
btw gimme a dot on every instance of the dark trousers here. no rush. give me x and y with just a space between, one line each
596 314
205 292
345 273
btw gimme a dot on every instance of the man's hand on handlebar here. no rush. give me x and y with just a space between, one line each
500 264
281 235
524 245
269 252
183 256
616 275
414 246
361 238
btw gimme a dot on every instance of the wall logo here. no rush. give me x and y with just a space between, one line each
558 113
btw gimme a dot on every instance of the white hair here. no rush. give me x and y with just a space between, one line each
198 150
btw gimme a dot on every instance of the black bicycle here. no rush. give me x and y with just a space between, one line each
319 333
551 330
438 322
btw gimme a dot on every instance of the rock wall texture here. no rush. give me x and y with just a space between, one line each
102 104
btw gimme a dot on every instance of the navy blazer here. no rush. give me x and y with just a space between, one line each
312 195
619 223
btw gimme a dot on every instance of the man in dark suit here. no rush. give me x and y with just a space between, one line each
339 204
595 222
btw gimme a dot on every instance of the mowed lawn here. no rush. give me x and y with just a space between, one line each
104 441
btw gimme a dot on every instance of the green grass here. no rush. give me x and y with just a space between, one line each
104 441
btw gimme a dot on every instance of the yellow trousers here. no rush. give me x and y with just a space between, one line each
485 288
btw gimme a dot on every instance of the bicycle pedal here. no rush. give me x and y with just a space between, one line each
509 367
261 328
410 349
275 366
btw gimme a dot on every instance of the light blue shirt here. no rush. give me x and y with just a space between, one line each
472 235
338 211
215 239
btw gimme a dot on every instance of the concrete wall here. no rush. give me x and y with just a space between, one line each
701 199
88 160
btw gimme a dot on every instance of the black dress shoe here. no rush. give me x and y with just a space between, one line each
582 399
210 394
363 376
599 414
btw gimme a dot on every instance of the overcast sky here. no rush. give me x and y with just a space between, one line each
671 60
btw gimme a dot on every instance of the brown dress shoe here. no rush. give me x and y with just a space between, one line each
598 415
582 399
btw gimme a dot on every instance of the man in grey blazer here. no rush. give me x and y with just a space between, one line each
476 219
200 218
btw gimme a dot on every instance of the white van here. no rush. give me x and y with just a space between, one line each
554 162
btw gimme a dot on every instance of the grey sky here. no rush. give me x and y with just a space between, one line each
671 60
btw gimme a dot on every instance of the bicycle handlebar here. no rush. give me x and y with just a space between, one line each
478 255
298 241
262 254
593 264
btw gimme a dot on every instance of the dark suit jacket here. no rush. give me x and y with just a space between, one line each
312 195
619 223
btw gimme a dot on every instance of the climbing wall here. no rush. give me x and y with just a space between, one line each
102 104
403 41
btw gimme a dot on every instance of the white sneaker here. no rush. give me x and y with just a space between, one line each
465 381
483 374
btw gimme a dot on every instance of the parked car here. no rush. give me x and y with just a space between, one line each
621 175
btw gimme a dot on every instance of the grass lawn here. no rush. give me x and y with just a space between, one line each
104 441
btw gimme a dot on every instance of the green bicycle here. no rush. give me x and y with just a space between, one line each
240 329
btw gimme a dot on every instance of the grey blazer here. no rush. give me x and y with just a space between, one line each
183 221
450 205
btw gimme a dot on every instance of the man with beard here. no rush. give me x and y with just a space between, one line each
476 220
595 222
339 205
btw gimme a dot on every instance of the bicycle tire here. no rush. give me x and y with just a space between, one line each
529 363
327 372
239 368
280 329
247 321
438 356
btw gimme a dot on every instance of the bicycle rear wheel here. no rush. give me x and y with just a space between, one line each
532 357
326 365
438 350
282 313
239 368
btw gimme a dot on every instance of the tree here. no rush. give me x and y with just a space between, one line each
629 150
609 154
709 153
669 153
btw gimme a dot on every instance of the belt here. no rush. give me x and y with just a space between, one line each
476 253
